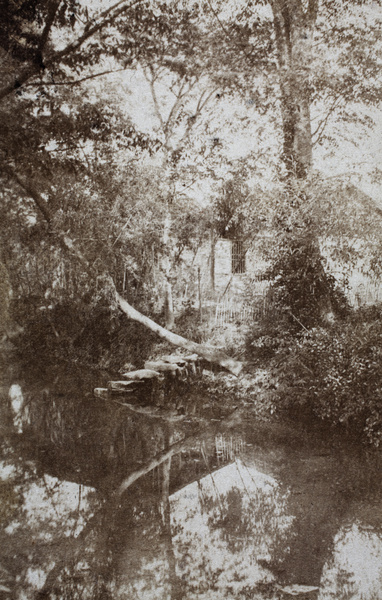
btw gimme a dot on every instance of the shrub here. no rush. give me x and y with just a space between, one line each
96 336
335 373
301 290
301 295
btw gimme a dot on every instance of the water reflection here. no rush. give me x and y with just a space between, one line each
233 518
99 502
355 567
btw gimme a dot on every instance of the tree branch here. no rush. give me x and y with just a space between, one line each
174 111
65 241
52 11
25 74
323 123
151 81
32 193
226 32
76 81
202 102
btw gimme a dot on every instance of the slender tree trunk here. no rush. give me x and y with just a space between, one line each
293 28
169 307
166 266
212 260
200 296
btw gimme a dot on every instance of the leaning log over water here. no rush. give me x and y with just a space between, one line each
64 242
210 354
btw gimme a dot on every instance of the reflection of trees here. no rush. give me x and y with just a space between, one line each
144 541
117 557
323 493
134 543
227 529
80 442
176 588
355 567
45 530
66 432
328 488
139 538
317 514
242 523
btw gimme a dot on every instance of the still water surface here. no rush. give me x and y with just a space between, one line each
99 502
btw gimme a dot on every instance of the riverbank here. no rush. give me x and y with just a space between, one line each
329 375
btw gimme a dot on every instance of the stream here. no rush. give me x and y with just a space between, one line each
99 502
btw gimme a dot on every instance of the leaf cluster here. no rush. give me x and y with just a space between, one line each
334 373
22 25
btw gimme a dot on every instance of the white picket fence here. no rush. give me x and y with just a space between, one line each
231 311
235 310
368 294
228 448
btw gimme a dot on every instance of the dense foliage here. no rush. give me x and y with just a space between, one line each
90 335
301 289
334 373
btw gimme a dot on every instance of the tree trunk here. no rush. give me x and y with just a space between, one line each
166 266
212 260
208 353
169 307
294 22
293 33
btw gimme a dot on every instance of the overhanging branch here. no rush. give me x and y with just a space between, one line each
75 81
107 17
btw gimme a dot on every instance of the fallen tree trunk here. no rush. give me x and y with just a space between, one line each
211 354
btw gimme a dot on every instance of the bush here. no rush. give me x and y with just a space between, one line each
301 295
335 373
301 290
95 336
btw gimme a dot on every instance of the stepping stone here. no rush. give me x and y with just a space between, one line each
162 366
102 393
192 357
173 359
141 374
122 386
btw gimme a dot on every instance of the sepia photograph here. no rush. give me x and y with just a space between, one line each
191 299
